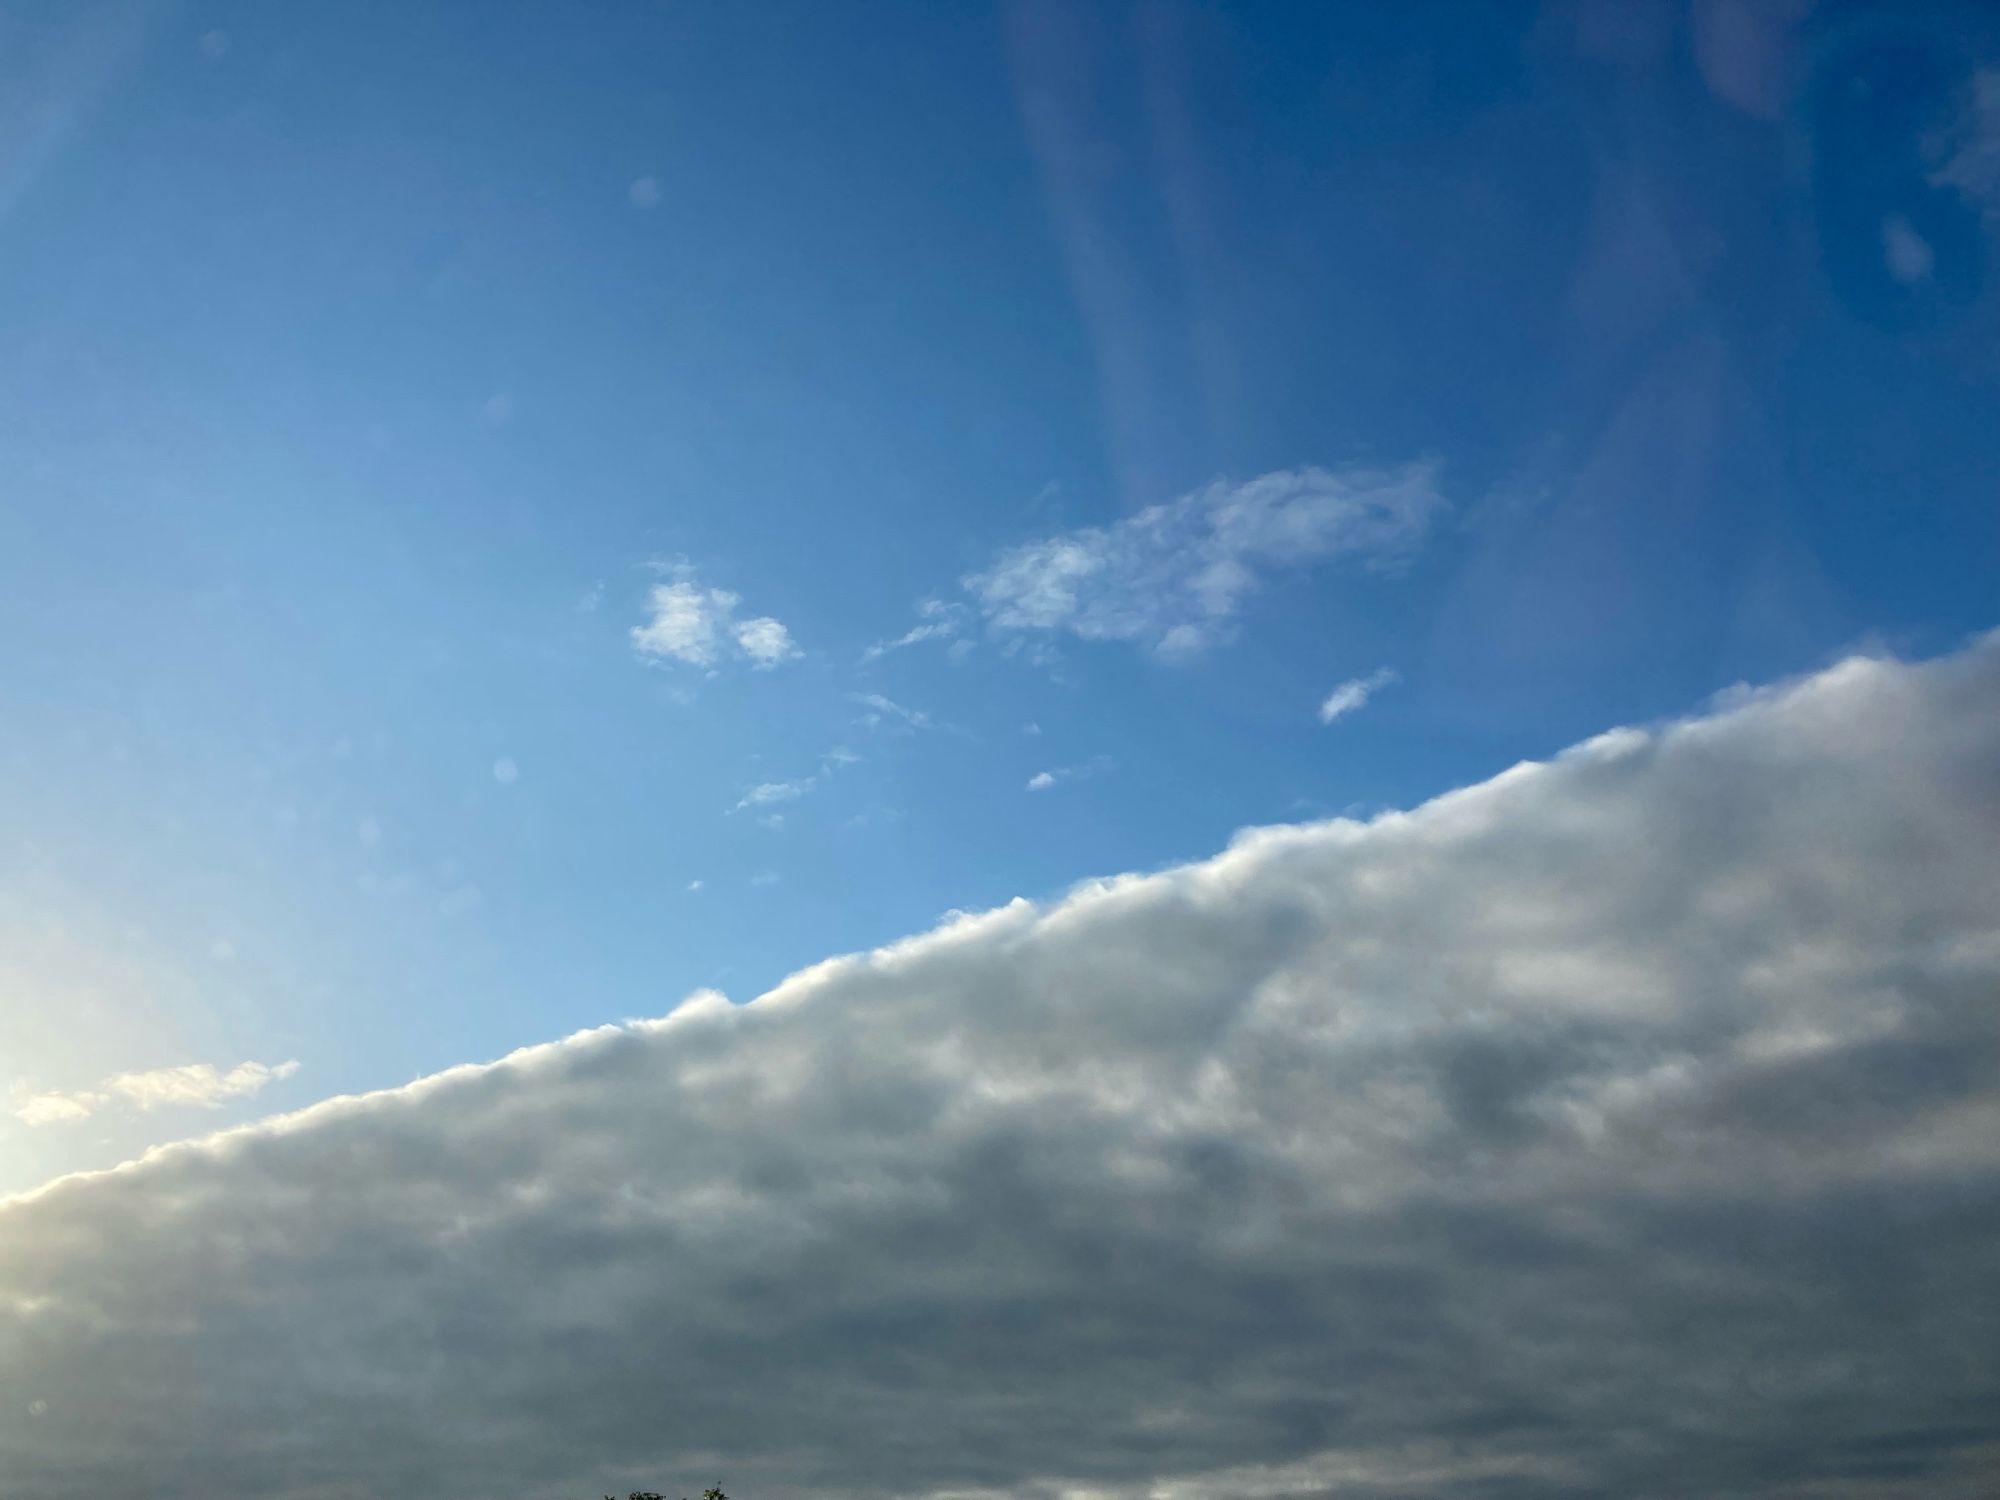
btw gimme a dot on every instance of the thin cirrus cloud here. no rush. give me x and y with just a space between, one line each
1466 1151
937 620
1175 576
769 793
688 622
884 711
1354 694
193 1085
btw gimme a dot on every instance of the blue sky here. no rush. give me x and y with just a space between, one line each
367 372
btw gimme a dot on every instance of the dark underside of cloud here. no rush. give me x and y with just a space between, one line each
1628 1125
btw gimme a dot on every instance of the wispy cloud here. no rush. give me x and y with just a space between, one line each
1174 576
690 623
937 620
1354 693
194 1085
767 793
884 710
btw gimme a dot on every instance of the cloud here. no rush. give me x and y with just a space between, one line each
1354 693
937 620
690 623
53 1109
1626 1125
882 710
1041 781
195 1085
765 641
767 792
1174 576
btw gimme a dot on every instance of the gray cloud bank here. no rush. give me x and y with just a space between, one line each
1628 1125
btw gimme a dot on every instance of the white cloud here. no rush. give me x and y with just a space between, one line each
1174 576
53 1109
695 885
1354 693
765 641
194 1085
201 1085
883 710
1631 1115
1041 781
690 623
937 620
644 192
506 771
767 792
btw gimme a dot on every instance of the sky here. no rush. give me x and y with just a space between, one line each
522 523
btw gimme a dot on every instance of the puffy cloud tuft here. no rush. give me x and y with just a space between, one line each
690 623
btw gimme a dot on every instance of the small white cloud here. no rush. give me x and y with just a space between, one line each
1354 693
1174 576
201 1085
214 45
695 885
197 1085
765 641
764 878
222 950
588 601
690 623
55 1109
937 620
1041 781
644 192
885 710
765 793
1031 727
505 771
